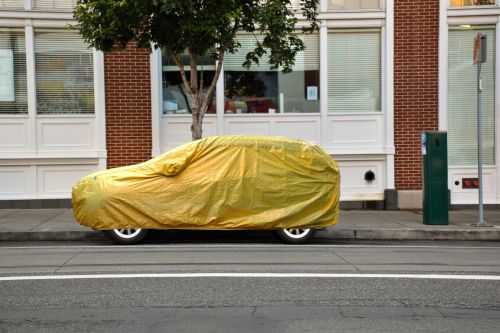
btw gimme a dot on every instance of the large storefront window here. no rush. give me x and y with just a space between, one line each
64 73
460 3
354 70
13 86
176 100
462 97
353 4
261 90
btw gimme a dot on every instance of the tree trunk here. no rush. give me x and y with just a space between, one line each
196 126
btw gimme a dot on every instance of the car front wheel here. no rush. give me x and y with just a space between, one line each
296 236
127 236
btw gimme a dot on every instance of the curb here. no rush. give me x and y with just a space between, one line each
341 234
398 234
26 236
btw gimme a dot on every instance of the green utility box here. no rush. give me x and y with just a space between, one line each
435 177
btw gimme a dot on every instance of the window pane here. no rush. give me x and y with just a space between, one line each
66 5
354 66
460 3
299 90
13 87
261 90
462 98
64 73
353 4
11 3
175 98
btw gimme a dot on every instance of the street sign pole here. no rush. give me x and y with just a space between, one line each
479 145
479 58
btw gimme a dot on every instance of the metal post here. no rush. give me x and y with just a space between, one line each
479 58
479 145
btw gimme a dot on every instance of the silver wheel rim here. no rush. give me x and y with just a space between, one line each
127 233
297 233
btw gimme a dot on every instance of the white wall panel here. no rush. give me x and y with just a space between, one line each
15 181
177 130
359 131
353 183
460 195
49 179
57 180
14 134
307 128
236 126
66 133
309 131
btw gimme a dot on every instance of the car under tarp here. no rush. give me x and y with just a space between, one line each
217 183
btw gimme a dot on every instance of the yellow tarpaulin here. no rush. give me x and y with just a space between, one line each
224 182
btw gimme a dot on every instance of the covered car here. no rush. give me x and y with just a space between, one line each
217 183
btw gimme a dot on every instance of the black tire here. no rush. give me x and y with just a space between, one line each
127 236
296 236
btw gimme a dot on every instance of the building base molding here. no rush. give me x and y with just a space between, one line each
410 199
35 204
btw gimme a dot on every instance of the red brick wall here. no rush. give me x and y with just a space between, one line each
416 34
128 106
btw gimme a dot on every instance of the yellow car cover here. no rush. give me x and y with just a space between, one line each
217 183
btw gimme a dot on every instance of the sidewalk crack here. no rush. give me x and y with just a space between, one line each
48 219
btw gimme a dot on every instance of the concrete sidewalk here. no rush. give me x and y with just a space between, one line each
59 225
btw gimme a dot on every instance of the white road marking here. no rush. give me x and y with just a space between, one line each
236 245
253 275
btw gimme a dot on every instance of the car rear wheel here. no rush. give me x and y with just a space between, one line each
127 236
296 236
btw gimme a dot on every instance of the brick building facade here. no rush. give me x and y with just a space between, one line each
376 75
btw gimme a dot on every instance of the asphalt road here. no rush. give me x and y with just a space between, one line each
250 287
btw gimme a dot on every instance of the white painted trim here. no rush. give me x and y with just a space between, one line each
470 11
387 32
443 67
59 24
100 107
472 20
369 23
48 161
323 5
156 100
28 4
22 14
34 155
31 86
323 85
497 109
12 23
357 150
352 15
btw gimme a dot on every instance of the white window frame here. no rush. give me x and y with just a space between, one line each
40 20
473 15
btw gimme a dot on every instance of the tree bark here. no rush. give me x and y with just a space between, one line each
197 124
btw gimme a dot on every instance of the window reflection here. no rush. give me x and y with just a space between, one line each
251 92
260 90
176 100
460 3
